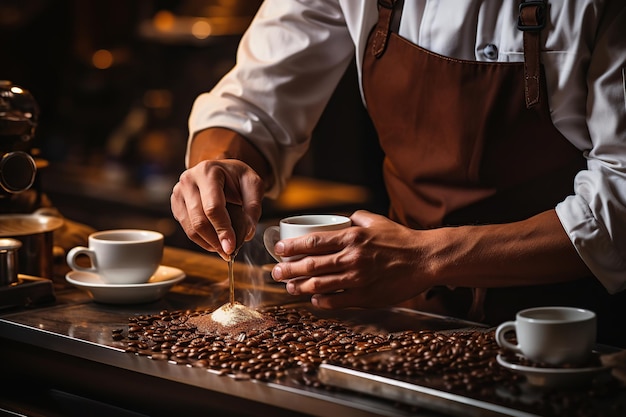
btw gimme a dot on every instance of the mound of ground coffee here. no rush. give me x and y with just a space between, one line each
231 319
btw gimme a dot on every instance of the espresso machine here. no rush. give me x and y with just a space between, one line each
25 233
19 114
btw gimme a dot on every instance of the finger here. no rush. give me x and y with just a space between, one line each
323 265
354 297
316 243
198 227
317 285
220 232
338 300
363 218
186 210
180 212
252 191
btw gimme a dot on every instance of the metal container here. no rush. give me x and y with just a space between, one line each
35 232
8 260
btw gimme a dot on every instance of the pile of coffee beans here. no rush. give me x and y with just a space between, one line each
462 361
297 339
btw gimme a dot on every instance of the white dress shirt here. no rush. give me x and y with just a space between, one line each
295 52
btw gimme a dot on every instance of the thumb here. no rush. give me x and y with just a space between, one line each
363 218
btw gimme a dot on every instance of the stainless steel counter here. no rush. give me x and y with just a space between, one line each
61 358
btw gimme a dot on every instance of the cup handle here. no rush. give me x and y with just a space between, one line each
81 250
501 331
270 237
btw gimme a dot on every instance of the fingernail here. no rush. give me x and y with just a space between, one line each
279 248
291 288
227 246
314 301
277 273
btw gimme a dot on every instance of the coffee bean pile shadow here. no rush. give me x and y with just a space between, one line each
297 342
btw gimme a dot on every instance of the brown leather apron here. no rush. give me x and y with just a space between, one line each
469 142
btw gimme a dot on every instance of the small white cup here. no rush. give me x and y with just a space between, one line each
124 256
552 335
301 225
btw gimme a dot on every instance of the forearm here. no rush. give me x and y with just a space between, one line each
219 143
533 251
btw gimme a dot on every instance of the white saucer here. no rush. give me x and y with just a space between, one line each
156 287
553 377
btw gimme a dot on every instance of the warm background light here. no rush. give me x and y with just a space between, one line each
102 59
201 29
164 20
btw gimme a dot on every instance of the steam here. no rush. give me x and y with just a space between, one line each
253 278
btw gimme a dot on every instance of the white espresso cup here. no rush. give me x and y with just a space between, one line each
124 256
552 335
301 225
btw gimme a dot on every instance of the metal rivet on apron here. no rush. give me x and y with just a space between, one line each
490 51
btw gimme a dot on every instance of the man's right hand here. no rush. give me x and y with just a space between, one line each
199 200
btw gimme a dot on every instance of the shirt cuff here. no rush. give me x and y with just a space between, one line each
593 243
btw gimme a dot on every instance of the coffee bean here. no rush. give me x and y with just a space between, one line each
297 342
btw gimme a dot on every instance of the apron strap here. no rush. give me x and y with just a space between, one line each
531 20
383 27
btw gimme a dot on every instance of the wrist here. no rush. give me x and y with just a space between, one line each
436 250
220 143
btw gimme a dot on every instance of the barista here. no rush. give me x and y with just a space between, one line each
505 140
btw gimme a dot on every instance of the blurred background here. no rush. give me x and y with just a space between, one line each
115 81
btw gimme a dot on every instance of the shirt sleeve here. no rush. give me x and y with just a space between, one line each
595 216
289 62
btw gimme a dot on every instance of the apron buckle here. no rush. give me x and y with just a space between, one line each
538 18
387 4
